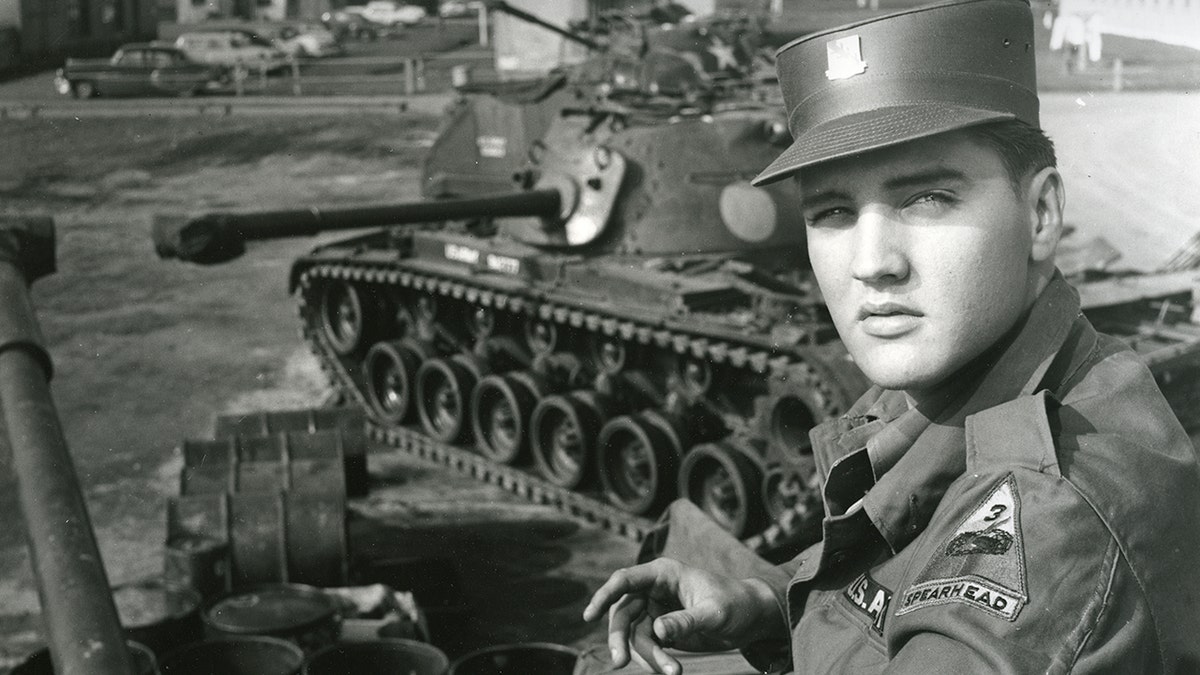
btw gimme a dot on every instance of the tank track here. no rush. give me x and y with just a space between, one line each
792 530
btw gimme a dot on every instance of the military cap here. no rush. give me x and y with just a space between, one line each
905 76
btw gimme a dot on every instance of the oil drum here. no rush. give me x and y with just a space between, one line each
297 613
289 460
345 426
39 662
272 536
380 657
543 658
198 563
241 655
158 615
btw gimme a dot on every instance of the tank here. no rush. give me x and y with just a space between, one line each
632 322
593 301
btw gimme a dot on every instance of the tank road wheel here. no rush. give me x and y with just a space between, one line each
541 336
343 317
637 457
501 407
563 428
390 372
783 489
724 483
443 388
791 407
609 354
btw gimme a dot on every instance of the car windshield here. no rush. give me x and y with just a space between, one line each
130 58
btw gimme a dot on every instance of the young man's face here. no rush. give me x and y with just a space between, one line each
923 253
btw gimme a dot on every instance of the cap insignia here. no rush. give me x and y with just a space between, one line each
845 58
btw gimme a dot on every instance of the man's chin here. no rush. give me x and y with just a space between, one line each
900 370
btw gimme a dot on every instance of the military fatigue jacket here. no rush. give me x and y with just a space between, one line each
1046 519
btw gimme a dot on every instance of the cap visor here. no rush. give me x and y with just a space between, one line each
872 130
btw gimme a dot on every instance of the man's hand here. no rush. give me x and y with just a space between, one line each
665 603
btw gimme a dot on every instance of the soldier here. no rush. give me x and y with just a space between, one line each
1014 494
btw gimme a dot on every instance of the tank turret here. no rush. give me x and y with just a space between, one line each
651 64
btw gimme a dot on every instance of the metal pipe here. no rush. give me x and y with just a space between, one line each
80 618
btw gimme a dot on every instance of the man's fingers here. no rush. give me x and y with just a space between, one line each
649 653
623 581
622 616
674 627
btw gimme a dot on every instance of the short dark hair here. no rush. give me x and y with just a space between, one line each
1022 147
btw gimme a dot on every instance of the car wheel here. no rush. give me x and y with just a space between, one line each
84 89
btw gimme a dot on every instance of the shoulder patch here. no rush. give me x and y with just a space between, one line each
870 598
982 564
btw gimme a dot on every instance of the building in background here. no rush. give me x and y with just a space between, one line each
50 29
193 11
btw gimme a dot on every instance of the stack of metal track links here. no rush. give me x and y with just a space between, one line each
264 500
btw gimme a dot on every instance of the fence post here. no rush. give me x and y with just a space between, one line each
295 63
239 79
410 76
1118 81
483 27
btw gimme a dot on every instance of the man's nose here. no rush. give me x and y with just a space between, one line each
879 255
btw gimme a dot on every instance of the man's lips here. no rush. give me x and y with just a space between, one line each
888 319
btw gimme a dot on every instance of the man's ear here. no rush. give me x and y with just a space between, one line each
1046 199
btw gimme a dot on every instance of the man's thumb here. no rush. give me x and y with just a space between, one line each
680 625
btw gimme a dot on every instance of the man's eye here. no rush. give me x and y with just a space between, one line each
933 198
826 216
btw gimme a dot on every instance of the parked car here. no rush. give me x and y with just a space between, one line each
390 13
232 48
139 68
308 40
349 25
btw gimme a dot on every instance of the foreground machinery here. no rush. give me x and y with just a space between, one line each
36 464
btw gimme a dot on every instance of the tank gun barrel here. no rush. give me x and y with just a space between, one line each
521 14
220 236
81 621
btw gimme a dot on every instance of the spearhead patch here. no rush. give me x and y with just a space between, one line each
982 564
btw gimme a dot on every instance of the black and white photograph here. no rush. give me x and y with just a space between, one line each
582 337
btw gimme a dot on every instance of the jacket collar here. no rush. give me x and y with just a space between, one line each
914 454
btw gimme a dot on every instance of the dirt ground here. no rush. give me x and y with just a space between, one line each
147 351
